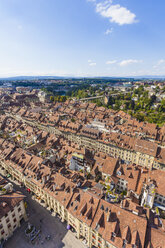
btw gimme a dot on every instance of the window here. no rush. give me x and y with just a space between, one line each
7 220
19 209
2 232
9 226
13 215
15 220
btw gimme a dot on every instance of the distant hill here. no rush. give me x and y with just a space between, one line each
19 78
31 78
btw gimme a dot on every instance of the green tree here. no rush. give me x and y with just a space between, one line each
51 98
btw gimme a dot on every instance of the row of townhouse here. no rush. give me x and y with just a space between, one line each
141 154
105 116
100 223
122 184
132 156
128 177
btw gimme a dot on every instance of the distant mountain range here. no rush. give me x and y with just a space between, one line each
31 78
19 78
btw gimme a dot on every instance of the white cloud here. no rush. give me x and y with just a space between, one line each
159 64
129 62
110 62
108 31
161 61
115 13
92 64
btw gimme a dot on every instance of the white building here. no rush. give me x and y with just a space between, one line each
12 210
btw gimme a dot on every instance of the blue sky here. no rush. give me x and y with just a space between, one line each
82 37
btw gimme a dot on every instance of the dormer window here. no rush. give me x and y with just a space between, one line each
124 243
75 208
113 235
97 227
102 207
119 173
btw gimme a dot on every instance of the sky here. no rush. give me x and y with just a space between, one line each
82 38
